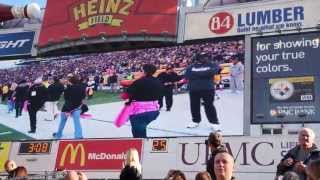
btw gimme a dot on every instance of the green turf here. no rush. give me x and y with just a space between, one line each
14 135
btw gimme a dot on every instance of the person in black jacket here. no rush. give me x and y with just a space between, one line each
298 157
37 96
168 78
143 96
55 91
201 86
73 96
20 95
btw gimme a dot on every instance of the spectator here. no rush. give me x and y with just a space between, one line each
313 170
203 176
215 145
72 175
20 173
223 166
130 173
175 175
297 157
132 159
9 167
143 101
290 175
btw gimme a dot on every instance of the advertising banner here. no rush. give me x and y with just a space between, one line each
252 18
110 17
95 154
285 77
14 44
254 156
4 154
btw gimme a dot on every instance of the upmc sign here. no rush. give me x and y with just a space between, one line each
112 17
95 154
14 44
252 18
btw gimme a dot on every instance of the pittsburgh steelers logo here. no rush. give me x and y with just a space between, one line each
282 90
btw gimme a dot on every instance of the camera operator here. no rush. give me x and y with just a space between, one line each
215 145
201 86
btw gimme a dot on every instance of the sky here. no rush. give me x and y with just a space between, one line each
42 3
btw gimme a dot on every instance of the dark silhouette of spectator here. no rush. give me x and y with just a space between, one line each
290 175
175 175
9 167
203 176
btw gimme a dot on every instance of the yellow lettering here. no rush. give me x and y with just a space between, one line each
112 6
92 7
101 8
79 12
73 154
125 9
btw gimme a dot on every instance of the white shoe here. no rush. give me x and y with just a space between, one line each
193 125
215 127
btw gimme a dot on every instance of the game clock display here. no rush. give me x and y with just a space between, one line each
35 148
159 145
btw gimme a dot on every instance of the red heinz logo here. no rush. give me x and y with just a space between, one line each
221 23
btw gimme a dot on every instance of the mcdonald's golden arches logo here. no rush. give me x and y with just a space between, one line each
73 152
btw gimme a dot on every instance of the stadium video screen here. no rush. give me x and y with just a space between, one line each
105 76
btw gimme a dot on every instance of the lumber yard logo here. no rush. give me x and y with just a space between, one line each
107 12
258 20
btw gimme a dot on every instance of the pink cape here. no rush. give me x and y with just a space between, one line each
123 116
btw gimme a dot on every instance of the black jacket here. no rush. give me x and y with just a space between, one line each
21 92
73 96
37 95
200 76
54 91
293 153
168 79
145 89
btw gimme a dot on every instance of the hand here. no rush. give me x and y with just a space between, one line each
288 162
299 167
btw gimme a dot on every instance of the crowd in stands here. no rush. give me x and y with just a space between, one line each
122 63
300 163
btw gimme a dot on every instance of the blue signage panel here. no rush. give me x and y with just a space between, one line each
13 44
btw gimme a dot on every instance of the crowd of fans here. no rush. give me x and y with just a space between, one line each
121 62
300 163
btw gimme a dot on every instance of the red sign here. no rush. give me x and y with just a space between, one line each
95 154
74 18
221 23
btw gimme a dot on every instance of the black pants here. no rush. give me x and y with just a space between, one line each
18 106
33 117
195 103
168 96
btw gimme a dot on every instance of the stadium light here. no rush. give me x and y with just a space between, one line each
103 35
83 37
124 35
